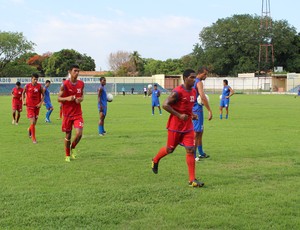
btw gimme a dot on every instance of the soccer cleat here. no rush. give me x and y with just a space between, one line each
17 123
13 122
73 153
68 159
101 134
195 183
47 120
29 133
204 156
197 159
154 167
34 142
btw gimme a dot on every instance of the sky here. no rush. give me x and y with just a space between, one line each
158 29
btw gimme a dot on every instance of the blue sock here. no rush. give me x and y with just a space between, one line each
100 129
226 116
48 114
159 111
50 111
221 116
200 150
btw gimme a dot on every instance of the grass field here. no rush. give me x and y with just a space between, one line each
251 180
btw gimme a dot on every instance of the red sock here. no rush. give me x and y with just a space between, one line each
74 143
32 128
190 160
67 151
161 153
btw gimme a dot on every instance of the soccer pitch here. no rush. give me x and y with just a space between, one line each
251 180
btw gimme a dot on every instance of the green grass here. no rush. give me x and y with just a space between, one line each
251 180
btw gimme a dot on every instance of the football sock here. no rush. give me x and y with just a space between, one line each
226 116
152 111
200 150
32 128
100 129
161 153
67 147
49 111
160 111
190 161
221 116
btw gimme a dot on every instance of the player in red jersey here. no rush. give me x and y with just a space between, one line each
16 102
33 97
180 127
71 96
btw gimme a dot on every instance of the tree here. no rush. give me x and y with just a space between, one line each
12 46
118 60
231 45
57 65
137 63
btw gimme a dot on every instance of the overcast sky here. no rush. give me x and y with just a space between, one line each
158 29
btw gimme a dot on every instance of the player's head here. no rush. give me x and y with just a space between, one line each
189 77
225 82
18 84
73 72
202 72
63 79
155 86
34 78
103 80
47 83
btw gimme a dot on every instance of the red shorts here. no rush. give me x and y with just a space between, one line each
69 122
33 112
17 107
185 139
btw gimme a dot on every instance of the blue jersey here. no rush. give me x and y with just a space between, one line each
155 96
225 92
103 97
47 99
197 107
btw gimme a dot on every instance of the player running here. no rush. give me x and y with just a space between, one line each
71 96
47 102
155 98
180 127
224 102
16 103
33 96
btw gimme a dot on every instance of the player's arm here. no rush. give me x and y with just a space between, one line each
23 96
231 92
172 99
42 98
63 99
80 99
99 99
204 99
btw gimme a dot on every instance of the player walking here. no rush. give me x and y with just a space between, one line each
180 127
102 106
71 96
155 98
47 102
33 96
16 103
198 109
226 94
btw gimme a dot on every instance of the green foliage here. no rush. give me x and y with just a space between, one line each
251 180
58 64
12 46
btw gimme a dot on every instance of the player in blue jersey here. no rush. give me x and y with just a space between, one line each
102 105
47 102
198 109
155 98
226 94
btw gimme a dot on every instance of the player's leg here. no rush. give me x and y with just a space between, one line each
101 123
173 140
78 126
188 143
13 116
226 112
18 116
68 145
159 109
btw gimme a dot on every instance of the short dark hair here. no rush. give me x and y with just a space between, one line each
74 66
48 81
202 69
102 78
64 79
225 81
18 83
35 75
155 85
188 72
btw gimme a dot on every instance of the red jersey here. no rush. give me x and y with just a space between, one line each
71 108
17 96
33 94
183 105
